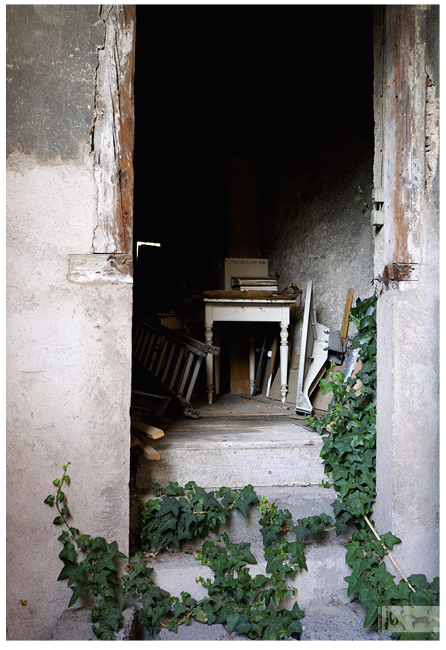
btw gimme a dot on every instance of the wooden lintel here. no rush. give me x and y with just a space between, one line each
100 267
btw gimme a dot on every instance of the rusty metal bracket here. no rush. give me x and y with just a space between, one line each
400 272
405 272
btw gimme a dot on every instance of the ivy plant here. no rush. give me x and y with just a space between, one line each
89 567
349 453
243 603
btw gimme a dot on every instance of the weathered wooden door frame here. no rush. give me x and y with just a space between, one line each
112 146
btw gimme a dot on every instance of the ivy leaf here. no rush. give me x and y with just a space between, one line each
178 609
400 591
354 551
356 502
83 541
78 592
173 489
389 540
418 581
355 581
50 500
68 552
169 505
421 598
98 543
296 612
259 580
187 599
200 616
343 446
268 535
243 553
295 629
106 562
238 623
370 600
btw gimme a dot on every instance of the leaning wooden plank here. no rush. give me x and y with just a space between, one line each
273 363
148 429
150 453
348 305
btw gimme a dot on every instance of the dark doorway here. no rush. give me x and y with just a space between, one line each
289 87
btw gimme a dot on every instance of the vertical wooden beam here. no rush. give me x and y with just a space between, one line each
404 137
113 131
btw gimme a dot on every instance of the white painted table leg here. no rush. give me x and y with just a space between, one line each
209 357
252 360
283 360
217 361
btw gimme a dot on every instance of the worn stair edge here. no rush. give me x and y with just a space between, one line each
232 468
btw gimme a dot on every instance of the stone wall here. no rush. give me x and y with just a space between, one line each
68 345
314 227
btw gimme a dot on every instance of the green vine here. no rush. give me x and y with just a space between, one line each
349 456
245 604
95 573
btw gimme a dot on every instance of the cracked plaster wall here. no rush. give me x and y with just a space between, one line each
68 345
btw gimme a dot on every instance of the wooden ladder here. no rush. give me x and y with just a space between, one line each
172 358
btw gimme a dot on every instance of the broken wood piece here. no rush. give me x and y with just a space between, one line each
149 452
348 306
259 368
273 362
152 432
313 354
135 441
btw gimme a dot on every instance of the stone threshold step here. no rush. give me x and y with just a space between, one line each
231 454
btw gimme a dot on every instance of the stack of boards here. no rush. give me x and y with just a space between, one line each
143 435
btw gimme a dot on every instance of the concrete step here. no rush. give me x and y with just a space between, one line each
235 451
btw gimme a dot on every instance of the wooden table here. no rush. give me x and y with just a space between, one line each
275 309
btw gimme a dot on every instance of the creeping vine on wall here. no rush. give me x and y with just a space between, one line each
245 604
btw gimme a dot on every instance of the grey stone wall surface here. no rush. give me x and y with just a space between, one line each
314 226
50 63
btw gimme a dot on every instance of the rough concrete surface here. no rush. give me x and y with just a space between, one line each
68 368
